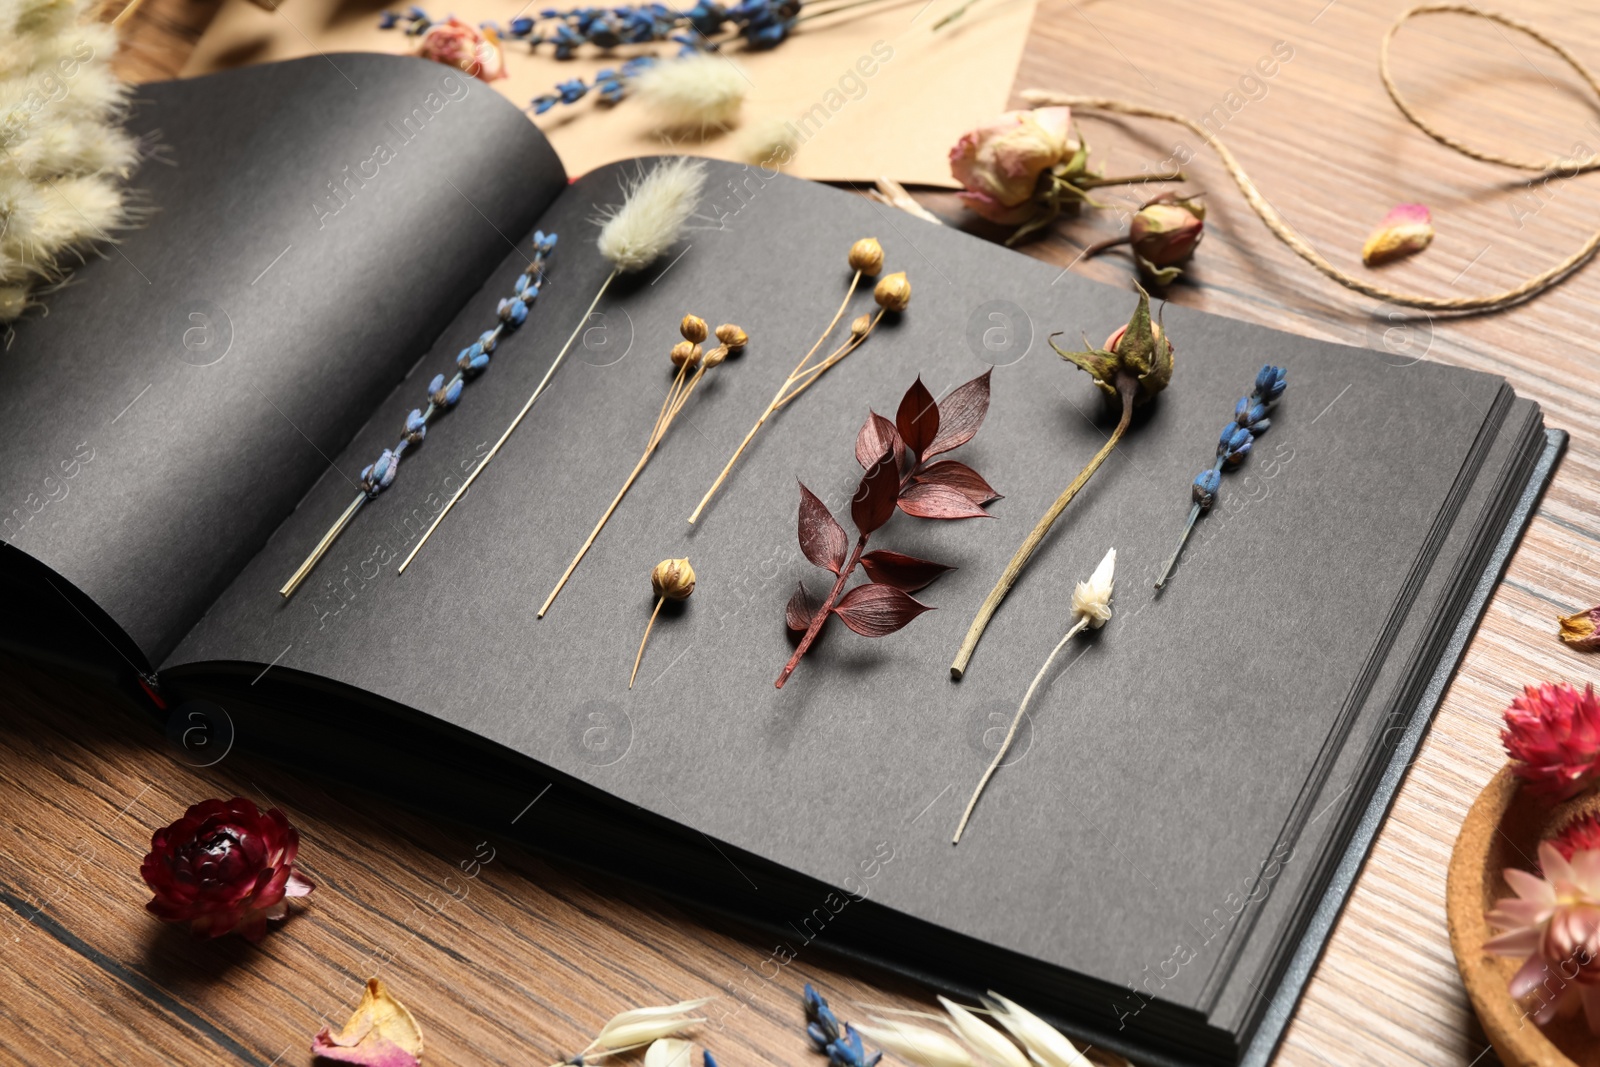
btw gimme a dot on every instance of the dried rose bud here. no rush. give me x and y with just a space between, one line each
861 326
673 579
226 865
685 352
732 336
1139 350
893 293
866 256
1164 234
1582 631
693 328
715 357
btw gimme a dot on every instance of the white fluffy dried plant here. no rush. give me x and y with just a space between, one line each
696 94
63 152
652 213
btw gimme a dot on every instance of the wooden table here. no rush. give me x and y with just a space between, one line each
537 955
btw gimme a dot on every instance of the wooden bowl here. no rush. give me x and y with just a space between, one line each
1502 830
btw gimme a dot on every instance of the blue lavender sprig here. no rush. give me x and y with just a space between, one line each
838 1041
1238 437
610 84
442 395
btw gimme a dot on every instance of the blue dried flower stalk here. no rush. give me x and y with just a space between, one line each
471 361
1249 422
838 1041
610 85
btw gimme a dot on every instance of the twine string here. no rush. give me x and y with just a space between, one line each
1281 229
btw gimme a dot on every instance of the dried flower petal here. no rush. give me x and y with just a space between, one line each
1582 631
380 1033
642 1025
1092 599
1046 1044
917 1044
1405 230
668 1052
992 1045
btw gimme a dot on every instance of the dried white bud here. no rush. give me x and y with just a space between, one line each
643 1025
668 1052
1046 1044
993 1047
917 1044
1092 599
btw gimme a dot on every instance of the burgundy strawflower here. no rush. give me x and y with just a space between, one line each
224 866
1552 735
1580 835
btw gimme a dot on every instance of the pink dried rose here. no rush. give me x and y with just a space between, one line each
225 866
1553 923
381 1033
1552 735
1405 230
1582 631
463 46
1164 234
999 164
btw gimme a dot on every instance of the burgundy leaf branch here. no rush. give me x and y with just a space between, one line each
900 475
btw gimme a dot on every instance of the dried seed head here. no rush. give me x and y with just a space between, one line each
893 293
860 326
693 328
866 256
673 579
715 357
732 336
685 352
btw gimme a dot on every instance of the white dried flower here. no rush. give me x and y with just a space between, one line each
643 1025
668 1052
916 1044
993 1046
770 143
700 92
1046 1044
1092 599
652 214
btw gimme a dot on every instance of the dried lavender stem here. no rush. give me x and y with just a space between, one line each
650 626
776 402
322 547
1011 734
1194 513
1126 387
537 392
822 615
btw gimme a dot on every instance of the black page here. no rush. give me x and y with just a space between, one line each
1161 762
182 394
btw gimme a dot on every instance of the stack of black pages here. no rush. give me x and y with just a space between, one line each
1160 860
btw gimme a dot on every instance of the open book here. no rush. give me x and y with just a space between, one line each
1160 861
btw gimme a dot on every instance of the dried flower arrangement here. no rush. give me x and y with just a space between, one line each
637 1028
686 356
1091 607
964 1040
442 396
1027 167
226 866
1552 922
892 294
1133 367
381 1032
65 154
634 235
1238 437
898 475
672 579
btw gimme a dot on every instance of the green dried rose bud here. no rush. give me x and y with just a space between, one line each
1137 354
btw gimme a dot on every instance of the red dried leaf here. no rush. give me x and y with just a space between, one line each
960 415
918 418
875 496
904 572
822 539
877 435
960 477
801 609
927 501
874 610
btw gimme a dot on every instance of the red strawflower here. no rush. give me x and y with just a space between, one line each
1552 735
224 866
1580 835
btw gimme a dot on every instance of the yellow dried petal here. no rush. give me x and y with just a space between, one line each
1406 230
381 1033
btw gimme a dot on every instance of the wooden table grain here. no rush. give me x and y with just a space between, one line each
536 955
